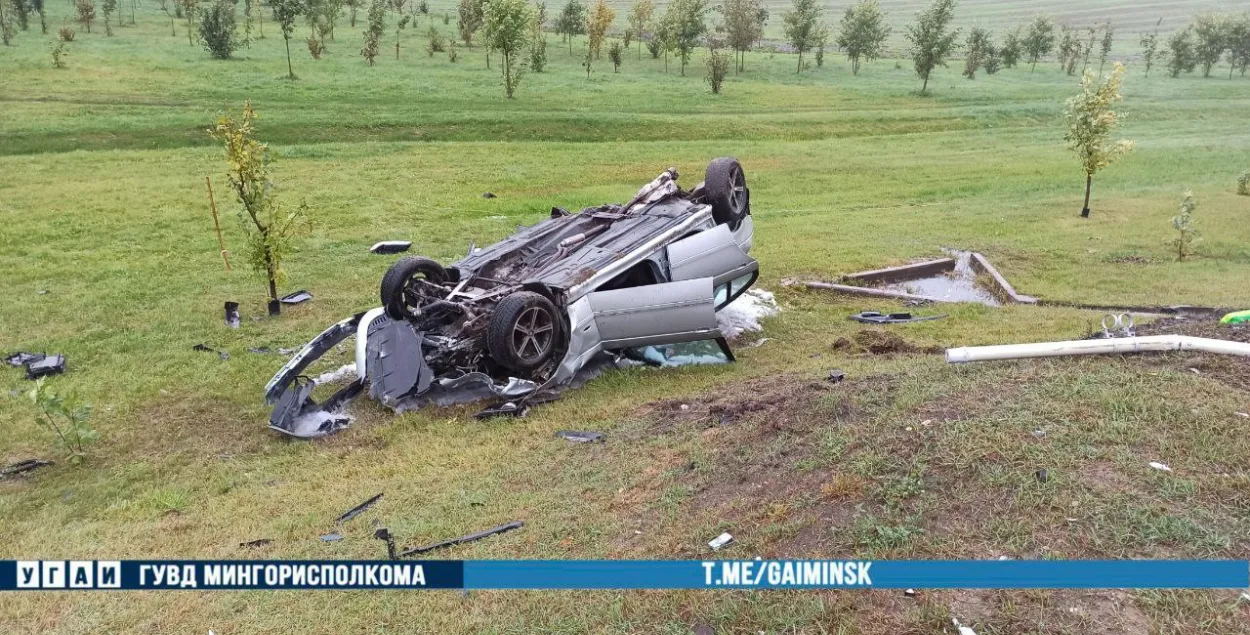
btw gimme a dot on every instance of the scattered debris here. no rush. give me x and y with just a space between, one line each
296 298
1195 371
1245 596
42 292
391 246
1041 475
357 510
963 630
22 359
911 593
505 409
346 371
1118 323
720 541
275 308
22 467
489 195
49 365
259 542
703 629
335 537
874 317
1160 466
1236 317
1243 415
1039 433
208 349
581 437
232 315
836 376
516 524
384 534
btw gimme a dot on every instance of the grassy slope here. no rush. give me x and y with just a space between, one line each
846 173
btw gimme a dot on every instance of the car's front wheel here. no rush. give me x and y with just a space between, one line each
409 284
524 331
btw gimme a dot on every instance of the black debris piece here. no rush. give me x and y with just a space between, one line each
557 212
332 537
384 534
1041 475
232 315
581 437
489 195
50 365
836 376
874 317
295 298
391 247
516 524
505 409
259 542
275 308
208 349
42 292
22 467
22 359
357 510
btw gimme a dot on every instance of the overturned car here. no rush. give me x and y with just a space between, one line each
533 311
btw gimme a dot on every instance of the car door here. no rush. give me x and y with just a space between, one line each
667 313
715 253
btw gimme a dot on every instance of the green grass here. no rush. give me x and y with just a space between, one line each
102 199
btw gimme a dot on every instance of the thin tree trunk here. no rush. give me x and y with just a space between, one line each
1034 67
925 86
800 67
289 71
1089 181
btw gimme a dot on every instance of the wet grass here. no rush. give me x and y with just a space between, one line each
102 200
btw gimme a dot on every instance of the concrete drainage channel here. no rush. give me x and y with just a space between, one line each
970 277
967 277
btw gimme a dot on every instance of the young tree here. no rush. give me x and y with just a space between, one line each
717 69
471 17
538 45
6 23
572 21
506 28
285 12
616 54
932 39
639 17
742 28
597 24
1211 30
1149 47
803 28
1088 48
761 18
1091 119
397 6
269 228
1181 52
1239 44
1186 231
169 11
86 12
38 7
977 49
190 11
373 33
686 27
108 8
1069 50
862 33
352 7
1012 48
1104 48
218 32
1039 40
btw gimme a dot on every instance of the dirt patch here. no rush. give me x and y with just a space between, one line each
879 342
1227 369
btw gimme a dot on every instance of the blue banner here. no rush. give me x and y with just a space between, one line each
22 575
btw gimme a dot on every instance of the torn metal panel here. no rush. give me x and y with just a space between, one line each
48 365
22 467
357 510
296 298
396 363
391 246
516 524
307 355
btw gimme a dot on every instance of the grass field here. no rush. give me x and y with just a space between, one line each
103 206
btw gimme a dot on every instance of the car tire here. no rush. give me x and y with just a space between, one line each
524 331
725 189
395 283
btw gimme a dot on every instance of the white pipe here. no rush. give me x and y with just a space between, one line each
1148 344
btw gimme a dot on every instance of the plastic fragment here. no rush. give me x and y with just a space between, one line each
721 541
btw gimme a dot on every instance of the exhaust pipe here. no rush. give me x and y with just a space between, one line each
1116 345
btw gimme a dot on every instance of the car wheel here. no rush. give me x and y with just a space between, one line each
524 331
407 284
725 187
